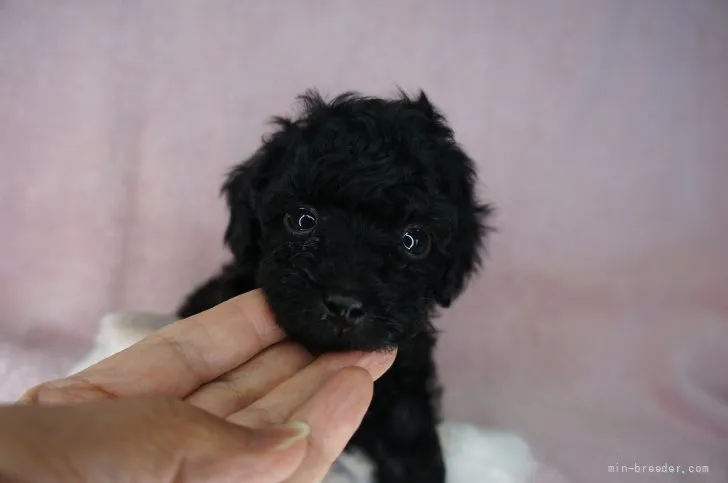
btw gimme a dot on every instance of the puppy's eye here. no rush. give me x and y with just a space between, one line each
300 220
416 242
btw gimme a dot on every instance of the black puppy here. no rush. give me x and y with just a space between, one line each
357 219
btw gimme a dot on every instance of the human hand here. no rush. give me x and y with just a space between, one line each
236 377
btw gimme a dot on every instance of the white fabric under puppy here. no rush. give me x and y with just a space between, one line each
472 454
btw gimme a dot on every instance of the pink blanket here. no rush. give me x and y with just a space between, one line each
599 329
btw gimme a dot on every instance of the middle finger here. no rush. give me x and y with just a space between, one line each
245 384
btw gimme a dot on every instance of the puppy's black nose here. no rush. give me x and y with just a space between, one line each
348 307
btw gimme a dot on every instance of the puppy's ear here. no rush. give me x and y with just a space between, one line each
464 258
471 227
243 229
243 189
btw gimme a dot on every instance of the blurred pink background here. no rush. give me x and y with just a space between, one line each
599 329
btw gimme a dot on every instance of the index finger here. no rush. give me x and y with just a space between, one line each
177 359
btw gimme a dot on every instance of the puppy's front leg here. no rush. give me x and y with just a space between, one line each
399 431
230 282
409 449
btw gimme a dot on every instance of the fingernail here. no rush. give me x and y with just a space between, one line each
29 397
281 436
375 361
25 399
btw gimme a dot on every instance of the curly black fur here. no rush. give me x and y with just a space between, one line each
367 171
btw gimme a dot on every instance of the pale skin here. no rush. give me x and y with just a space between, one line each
218 397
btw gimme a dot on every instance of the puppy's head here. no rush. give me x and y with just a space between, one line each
358 218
